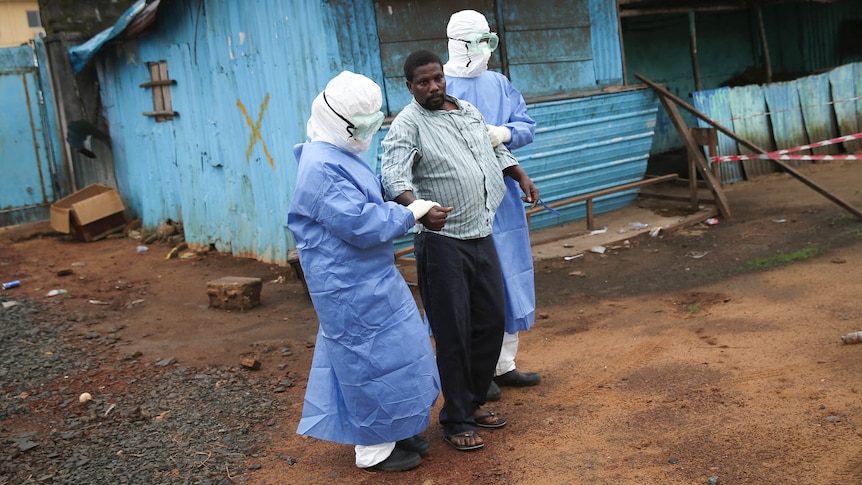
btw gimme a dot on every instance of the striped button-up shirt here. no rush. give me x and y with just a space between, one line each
446 156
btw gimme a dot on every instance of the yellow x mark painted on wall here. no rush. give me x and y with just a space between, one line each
255 130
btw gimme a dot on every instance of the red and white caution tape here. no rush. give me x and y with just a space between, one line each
782 154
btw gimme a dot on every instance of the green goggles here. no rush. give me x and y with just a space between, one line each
478 42
362 127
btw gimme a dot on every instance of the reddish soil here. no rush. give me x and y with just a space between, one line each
711 351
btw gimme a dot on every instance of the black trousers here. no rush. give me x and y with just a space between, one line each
461 286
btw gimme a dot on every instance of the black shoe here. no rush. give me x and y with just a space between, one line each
494 392
399 461
416 444
516 378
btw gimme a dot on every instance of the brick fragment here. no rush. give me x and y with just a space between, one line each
234 293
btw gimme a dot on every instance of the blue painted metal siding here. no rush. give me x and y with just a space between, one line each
26 183
587 144
246 74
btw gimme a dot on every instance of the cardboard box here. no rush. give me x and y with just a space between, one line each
90 213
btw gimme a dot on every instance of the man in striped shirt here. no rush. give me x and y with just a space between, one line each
438 149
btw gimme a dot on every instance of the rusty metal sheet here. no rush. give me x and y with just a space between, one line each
714 103
846 84
817 110
785 113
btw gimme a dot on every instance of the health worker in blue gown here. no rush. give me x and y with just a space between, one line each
467 77
373 378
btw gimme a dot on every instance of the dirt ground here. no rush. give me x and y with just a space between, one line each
709 354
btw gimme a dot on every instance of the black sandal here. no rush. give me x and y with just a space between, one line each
489 420
466 434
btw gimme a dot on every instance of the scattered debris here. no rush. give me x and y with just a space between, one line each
852 338
697 254
543 315
577 273
9 304
142 249
56 292
654 231
637 226
598 249
249 363
78 264
97 302
599 231
84 397
839 260
11 284
711 221
166 362
779 221
133 303
64 272
110 408
576 256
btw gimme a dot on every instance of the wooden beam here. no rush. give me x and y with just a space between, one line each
695 153
783 166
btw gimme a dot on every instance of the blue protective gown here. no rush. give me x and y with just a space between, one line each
502 105
373 378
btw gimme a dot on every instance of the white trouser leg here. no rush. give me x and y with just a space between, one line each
506 362
367 456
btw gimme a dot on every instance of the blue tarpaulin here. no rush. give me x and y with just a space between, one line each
80 55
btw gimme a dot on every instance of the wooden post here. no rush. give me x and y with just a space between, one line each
692 29
694 152
765 45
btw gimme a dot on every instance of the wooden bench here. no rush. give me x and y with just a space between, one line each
588 198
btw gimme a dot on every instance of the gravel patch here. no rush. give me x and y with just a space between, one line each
147 422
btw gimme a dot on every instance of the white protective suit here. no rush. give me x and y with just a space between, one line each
373 378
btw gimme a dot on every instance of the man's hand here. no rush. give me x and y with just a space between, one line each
435 219
531 192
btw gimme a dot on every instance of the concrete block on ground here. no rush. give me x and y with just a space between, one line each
234 293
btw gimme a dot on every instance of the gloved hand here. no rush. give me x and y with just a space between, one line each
421 207
499 134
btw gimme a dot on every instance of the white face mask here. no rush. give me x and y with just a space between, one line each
463 63
470 44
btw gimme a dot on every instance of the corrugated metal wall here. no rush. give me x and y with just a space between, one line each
783 116
587 144
245 73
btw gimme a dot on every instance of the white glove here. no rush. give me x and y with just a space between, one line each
499 134
421 207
